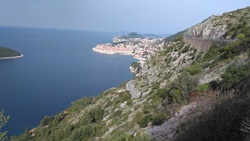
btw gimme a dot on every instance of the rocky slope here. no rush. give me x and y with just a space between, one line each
180 80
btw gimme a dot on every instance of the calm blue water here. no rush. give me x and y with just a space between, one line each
58 68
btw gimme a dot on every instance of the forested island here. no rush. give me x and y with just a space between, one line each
6 53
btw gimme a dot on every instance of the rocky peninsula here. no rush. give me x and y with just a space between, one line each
137 45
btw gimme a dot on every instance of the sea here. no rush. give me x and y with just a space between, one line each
58 68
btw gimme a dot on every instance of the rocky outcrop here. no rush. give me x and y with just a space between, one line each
207 29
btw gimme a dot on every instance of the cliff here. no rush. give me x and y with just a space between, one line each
183 86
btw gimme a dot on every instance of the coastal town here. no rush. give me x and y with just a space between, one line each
139 47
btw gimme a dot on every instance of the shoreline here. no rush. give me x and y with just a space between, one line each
111 52
14 57
140 59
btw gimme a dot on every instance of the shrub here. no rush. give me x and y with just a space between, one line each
136 66
159 119
234 74
145 120
129 102
220 124
194 69
46 120
214 85
185 49
96 114
203 87
240 37
117 113
3 121
178 90
125 96
175 95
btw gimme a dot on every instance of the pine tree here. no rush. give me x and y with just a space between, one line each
3 121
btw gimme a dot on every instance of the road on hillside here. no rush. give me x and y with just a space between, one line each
130 88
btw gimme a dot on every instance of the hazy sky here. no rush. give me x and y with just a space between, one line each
144 16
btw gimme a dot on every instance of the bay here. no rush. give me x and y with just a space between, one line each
58 68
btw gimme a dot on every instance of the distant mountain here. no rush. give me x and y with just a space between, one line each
146 35
152 35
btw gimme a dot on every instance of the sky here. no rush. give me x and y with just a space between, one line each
143 16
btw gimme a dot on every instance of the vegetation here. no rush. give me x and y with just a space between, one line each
171 78
3 121
174 36
234 74
228 120
159 119
136 66
240 36
6 52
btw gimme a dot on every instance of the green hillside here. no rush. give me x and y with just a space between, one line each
194 88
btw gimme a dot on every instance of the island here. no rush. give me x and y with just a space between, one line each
138 45
6 53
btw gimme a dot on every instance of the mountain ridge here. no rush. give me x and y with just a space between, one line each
175 82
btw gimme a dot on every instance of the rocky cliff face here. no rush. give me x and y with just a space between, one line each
218 27
208 29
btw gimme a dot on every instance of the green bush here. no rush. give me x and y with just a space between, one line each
234 74
145 120
220 124
240 36
185 49
159 119
178 90
3 121
125 96
175 95
194 69
129 102
96 114
136 66
46 120
81 103
203 87
117 113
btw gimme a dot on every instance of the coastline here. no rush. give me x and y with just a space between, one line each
109 52
14 57
138 48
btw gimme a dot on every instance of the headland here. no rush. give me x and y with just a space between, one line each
140 47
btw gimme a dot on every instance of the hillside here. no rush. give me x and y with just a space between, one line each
195 87
6 53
